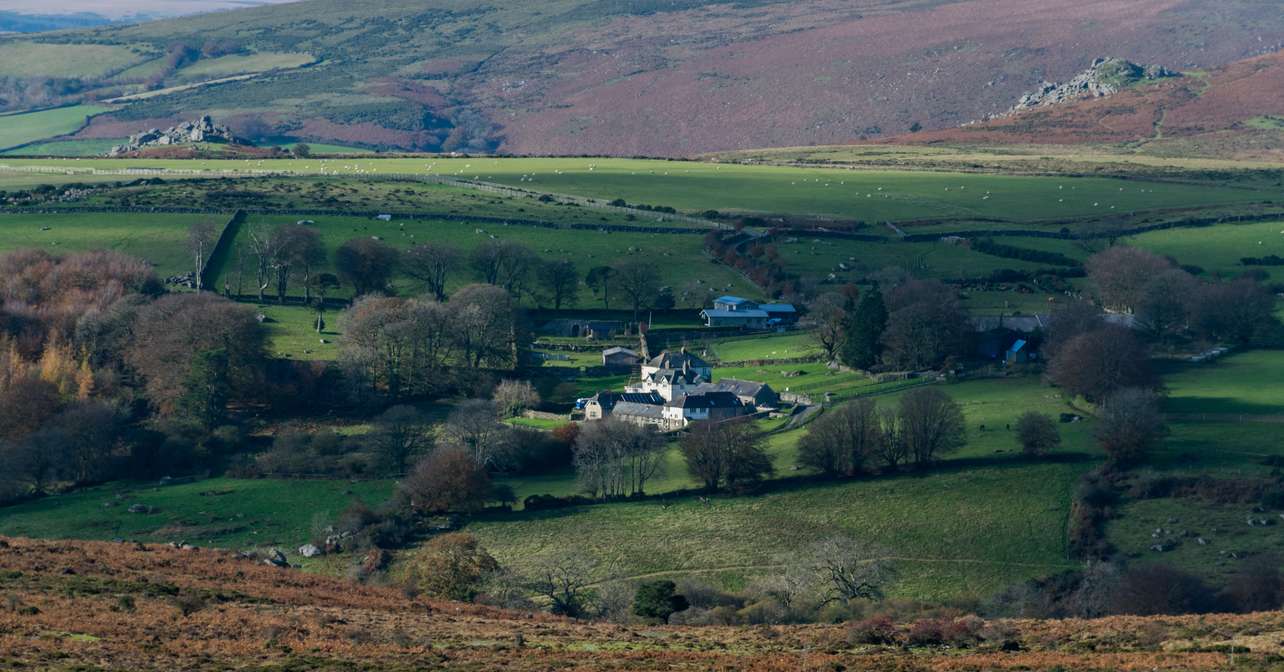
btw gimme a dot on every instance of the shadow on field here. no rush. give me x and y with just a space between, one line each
795 483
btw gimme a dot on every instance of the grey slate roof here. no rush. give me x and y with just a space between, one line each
707 400
638 410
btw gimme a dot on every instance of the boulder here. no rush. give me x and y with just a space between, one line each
1105 77
309 551
276 558
201 130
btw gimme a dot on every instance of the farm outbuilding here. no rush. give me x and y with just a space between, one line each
620 358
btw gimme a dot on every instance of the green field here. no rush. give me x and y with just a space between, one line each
223 512
236 64
949 534
159 239
870 195
854 259
1218 249
20 129
1247 383
682 255
1225 418
65 148
37 59
776 346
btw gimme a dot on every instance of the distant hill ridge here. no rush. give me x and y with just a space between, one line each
640 77
1232 111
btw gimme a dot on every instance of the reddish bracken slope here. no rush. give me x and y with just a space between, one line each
820 75
1239 107
680 77
84 605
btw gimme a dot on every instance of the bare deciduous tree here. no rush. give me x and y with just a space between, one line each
931 424
616 459
827 316
560 281
847 569
432 265
1120 275
1129 424
840 441
201 237
564 579
725 454
474 427
638 280
1098 362
513 397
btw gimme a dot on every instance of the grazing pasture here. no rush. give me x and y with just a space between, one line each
866 195
793 345
22 58
237 64
224 512
949 534
20 129
159 239
65 148
1218 249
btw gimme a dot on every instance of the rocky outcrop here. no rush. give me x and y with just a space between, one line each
1106 77
201 130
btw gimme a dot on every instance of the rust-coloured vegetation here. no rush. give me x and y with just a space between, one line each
76 605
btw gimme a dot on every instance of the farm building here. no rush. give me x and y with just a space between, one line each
752 394
641 414
1018 353
734 311
714 406
601 405
620 358
670 383
594 329
675 361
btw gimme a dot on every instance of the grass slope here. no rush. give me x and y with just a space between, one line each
868 195
159 239
20 129
949 534
223 512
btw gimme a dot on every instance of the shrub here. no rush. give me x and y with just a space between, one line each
1159 589
189 603
926 632
453 567
1037 433
877 629
658 600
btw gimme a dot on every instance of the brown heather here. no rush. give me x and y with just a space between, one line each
118 606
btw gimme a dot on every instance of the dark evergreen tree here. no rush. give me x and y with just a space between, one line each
659 600
206 389
863 330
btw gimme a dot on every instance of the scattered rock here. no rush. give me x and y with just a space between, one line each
276 558
201 130
140 508
309 551
1105 77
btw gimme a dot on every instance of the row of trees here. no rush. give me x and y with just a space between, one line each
915 324
854 437
1172 303
403 346
293 252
